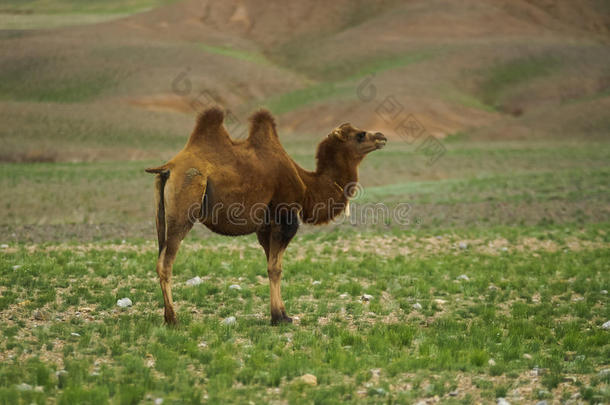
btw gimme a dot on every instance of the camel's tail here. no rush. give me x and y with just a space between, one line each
160 180
158 170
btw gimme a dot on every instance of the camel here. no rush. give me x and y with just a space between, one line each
252 186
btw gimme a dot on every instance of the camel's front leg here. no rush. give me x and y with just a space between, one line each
279 236
274 271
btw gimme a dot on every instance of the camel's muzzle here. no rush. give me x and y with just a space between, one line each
380 140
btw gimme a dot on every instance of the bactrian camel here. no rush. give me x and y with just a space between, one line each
240 187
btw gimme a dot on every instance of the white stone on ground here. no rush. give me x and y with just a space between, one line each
463 245
75 334
463 277
309 379
316 282
124 302
537 371
194 281
606 325
417 306
230 320
234 287
502 401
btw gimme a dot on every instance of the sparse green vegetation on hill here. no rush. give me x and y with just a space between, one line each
78 6
512 73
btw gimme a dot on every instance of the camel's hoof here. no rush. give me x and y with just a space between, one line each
283 319
171 321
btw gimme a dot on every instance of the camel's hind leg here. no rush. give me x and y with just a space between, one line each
164 270
181 208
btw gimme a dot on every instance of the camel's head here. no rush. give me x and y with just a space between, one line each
358 142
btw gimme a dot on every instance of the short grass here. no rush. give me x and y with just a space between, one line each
78 7
504 76
235 53
11 21
37 82
356 68
472 184
78 131
339 79
466 100
295 99
47 14
524 325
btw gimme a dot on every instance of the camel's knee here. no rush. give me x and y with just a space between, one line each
164 278
165 273
159 268
274 273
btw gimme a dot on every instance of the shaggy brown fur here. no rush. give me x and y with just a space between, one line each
241 187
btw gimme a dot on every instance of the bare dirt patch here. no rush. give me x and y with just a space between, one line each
382 245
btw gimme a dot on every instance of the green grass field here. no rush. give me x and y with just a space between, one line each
494 284
524 322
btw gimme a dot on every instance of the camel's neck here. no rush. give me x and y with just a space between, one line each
328 189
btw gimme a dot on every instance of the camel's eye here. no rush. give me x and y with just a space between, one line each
360 136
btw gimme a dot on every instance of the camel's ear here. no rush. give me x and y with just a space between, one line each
340 132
